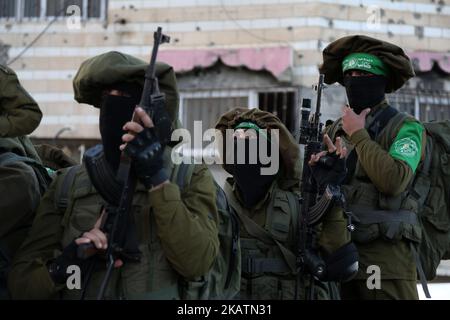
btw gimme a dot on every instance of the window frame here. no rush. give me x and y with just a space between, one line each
20 12
421 100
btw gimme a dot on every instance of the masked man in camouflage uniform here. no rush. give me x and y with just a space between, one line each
384 154
176 233
268 208
22 177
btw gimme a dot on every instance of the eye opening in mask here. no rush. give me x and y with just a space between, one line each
358 73
115 93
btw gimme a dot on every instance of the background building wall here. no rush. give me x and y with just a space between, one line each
47 67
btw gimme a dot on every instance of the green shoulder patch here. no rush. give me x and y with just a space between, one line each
406 147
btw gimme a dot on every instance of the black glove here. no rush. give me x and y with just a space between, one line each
332 170
57 268
146 151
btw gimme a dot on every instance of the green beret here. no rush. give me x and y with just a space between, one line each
393 57
19 112
104 71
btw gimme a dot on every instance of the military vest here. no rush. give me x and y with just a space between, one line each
378 215
268 261
151 278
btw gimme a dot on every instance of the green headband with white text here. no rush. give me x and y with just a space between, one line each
365 62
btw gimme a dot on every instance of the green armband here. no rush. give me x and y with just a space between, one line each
407 146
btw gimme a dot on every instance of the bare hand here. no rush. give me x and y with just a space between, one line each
97 238
352 122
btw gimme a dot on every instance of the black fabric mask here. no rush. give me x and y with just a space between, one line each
252 185
115 111
364 92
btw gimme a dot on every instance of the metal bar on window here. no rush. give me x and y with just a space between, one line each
43 9
284 107
19 10
103 10
275 103
84 13
416 107
266 101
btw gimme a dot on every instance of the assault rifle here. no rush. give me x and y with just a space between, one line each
313 208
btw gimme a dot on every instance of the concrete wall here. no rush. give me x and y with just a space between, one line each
47 68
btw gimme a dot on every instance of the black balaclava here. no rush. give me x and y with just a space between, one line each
252 185
364 91
115 111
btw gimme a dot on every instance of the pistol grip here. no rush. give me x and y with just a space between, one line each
86 250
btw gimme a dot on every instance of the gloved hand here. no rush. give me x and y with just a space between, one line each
144 148
329 167
334 175
57 268
146 152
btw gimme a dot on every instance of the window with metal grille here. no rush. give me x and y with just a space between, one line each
42 9
32 8
58 8
281 103
207 107
208 110
425 105
94 9
7 8
89 8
